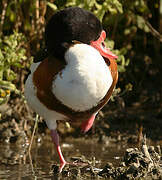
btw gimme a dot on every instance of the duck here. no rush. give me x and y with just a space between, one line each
76 76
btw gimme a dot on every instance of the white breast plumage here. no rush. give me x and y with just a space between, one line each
33 101
84 81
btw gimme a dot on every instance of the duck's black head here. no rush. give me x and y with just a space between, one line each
71 24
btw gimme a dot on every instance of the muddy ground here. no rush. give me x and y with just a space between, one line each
114 124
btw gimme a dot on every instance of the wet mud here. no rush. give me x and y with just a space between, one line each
144 162
110 150
87 160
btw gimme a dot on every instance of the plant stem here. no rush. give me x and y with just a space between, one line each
4 4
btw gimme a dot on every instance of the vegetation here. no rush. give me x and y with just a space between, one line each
12 56
133 32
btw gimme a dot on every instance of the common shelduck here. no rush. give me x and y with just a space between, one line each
76 77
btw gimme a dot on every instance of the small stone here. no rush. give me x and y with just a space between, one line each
75 171
122 164
158 149
133 168
129 150
151 149
55 169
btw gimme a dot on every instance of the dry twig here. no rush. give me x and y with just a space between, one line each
35 126
153 31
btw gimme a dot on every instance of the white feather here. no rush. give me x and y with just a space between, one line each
30 95
85 79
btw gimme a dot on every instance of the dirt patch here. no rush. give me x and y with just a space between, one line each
144 162
112 125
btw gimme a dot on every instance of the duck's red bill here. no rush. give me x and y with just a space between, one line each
100 46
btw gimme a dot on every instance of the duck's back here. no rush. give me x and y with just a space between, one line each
84 81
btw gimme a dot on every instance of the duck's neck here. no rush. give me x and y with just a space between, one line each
111 63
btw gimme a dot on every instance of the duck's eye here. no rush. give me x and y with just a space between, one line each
103 44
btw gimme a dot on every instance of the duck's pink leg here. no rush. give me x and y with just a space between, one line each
86 125
55 139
